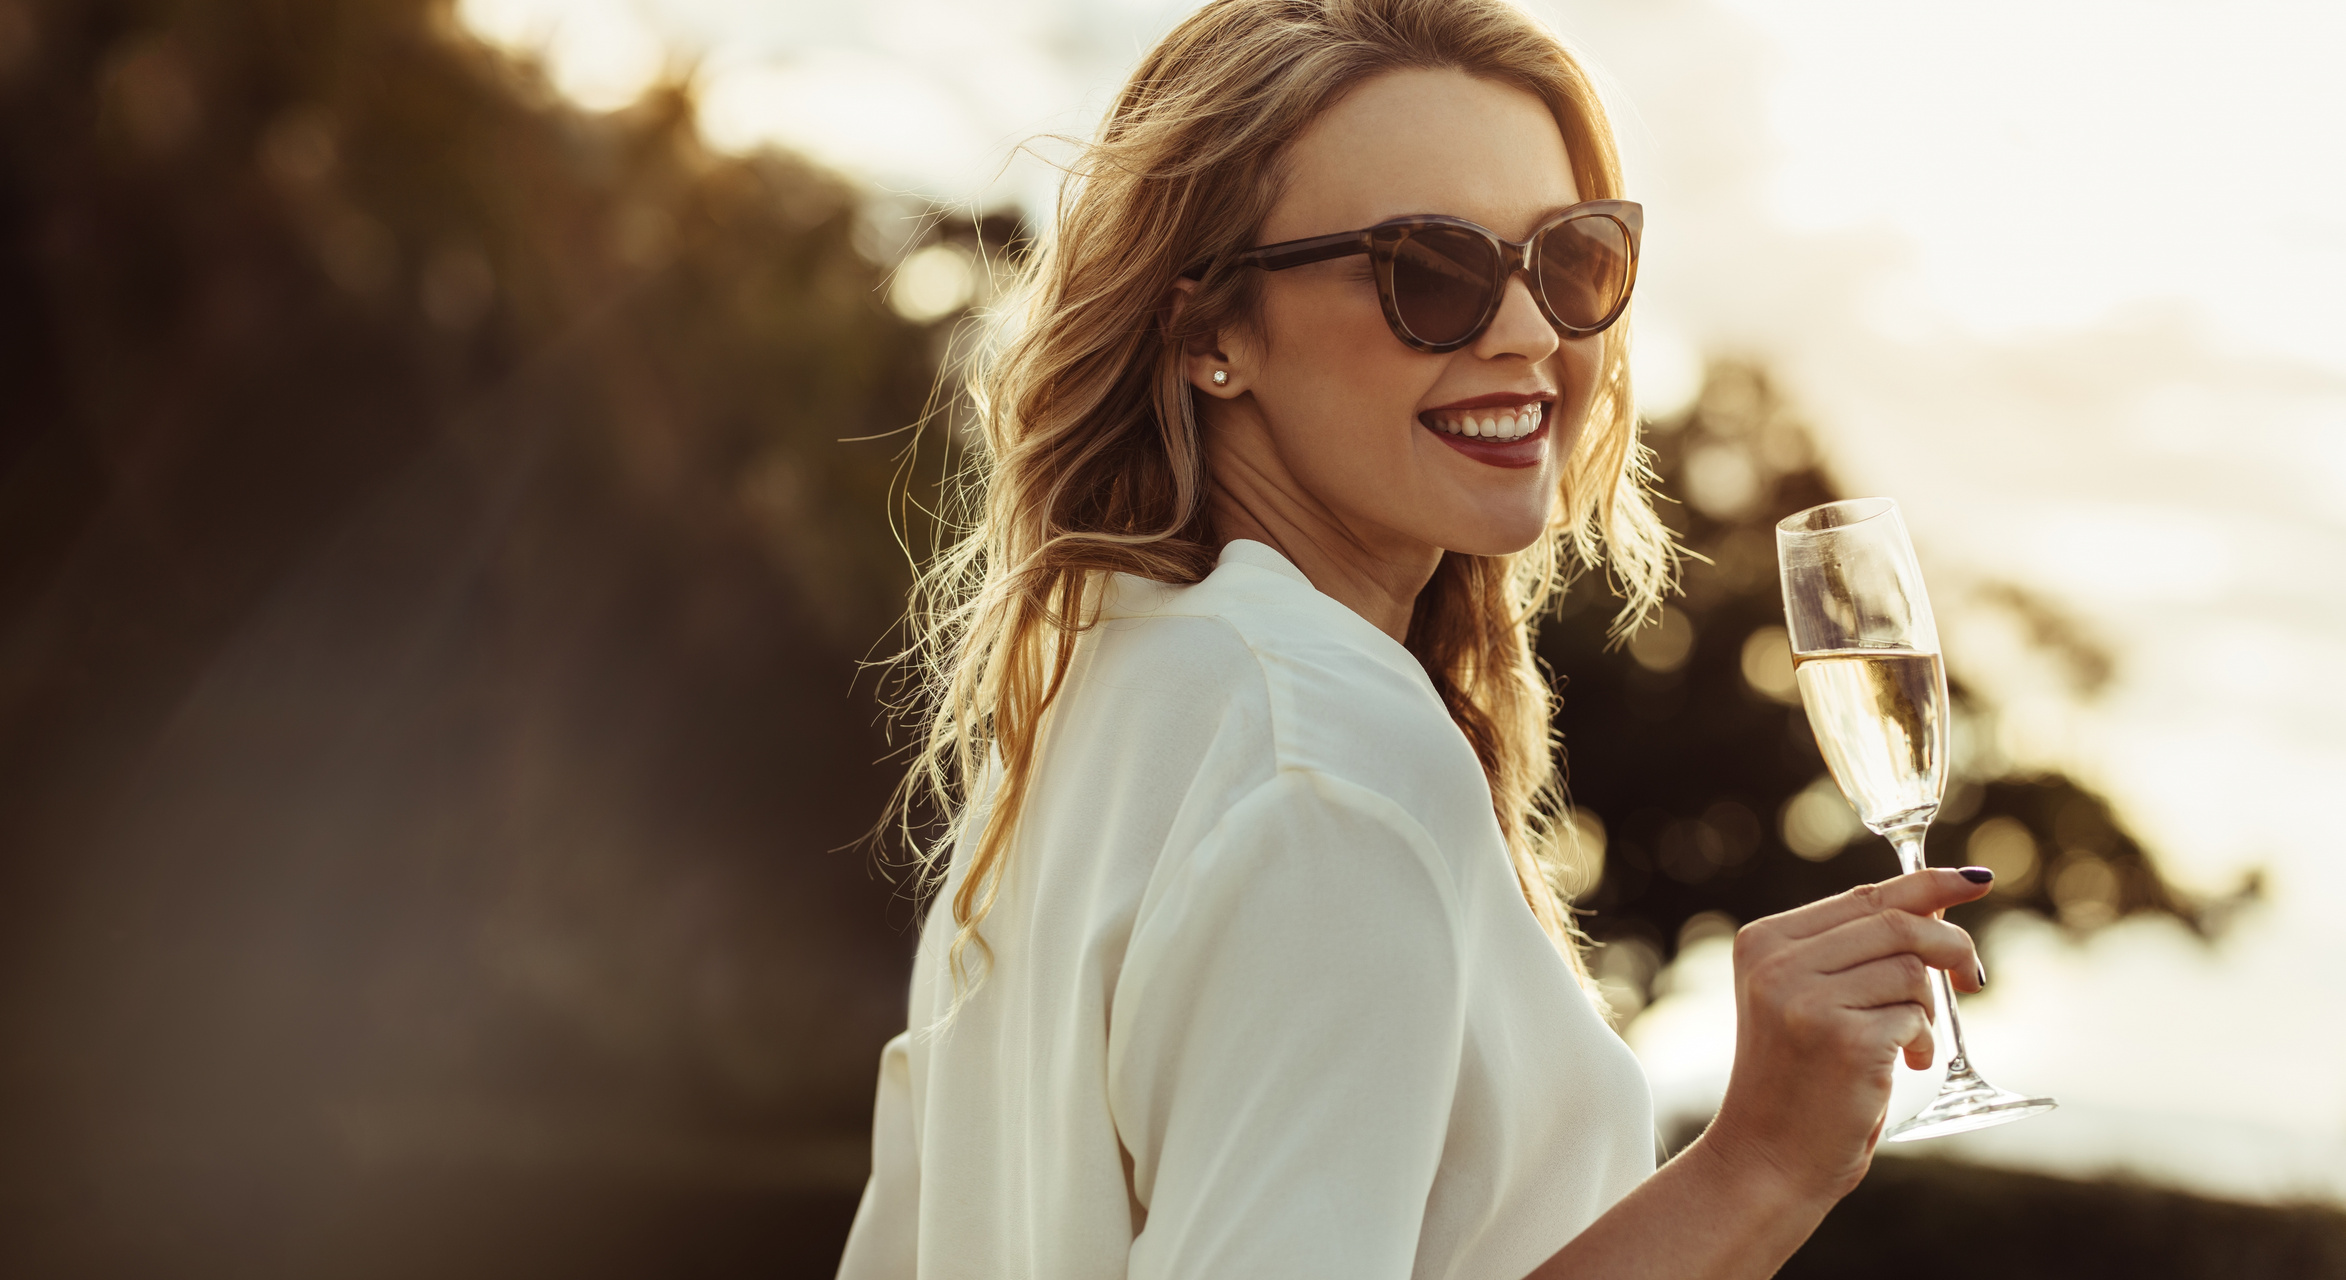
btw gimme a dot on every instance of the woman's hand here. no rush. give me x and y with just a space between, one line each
1827 997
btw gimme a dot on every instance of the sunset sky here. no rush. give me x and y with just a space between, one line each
2067 279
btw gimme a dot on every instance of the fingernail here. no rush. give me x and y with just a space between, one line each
1982 971
1977 875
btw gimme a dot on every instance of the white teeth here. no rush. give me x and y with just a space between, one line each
1513 424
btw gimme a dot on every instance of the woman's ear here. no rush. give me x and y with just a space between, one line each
1208 367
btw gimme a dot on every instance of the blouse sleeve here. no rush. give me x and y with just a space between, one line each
1285 1038
883 1243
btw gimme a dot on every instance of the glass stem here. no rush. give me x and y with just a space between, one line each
1908 842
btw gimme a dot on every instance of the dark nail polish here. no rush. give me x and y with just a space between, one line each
1982 971
1978 875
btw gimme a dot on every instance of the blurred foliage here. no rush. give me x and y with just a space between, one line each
438 533
1689 748
328 234
431 587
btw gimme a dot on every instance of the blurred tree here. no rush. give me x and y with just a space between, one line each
431 585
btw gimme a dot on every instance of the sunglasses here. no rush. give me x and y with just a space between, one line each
1441 279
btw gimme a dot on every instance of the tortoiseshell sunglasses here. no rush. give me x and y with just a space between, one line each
1441 279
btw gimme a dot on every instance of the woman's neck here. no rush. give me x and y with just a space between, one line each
1254 497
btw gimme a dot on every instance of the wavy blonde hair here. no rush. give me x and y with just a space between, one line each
1091 462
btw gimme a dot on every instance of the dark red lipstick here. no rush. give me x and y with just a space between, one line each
1489 428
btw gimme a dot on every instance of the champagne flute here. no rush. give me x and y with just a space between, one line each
1865 651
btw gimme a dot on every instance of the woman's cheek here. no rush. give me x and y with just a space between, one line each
1576 377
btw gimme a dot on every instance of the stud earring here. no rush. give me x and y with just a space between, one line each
1221 377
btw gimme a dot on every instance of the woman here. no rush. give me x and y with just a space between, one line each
1245 962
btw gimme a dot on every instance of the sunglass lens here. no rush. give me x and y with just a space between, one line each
1584 269
1443 280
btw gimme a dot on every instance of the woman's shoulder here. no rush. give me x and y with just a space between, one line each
1337 696
1256 626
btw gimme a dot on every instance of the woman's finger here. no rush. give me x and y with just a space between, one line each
1925 892
1937 943
1889 980
1904 1028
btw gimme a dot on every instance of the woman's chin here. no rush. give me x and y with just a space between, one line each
1497 537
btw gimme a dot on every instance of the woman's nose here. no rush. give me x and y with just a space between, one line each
1520 328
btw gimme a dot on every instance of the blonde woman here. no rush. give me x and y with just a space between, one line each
1245 960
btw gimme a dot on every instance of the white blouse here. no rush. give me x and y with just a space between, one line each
1265 999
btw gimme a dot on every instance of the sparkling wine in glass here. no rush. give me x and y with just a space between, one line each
1865 651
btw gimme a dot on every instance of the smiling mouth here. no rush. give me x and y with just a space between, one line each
1498 424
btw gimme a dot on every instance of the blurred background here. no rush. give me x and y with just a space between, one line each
451 483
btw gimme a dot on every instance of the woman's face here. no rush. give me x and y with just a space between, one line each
1365 428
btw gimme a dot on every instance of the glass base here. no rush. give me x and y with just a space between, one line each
1966 1102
